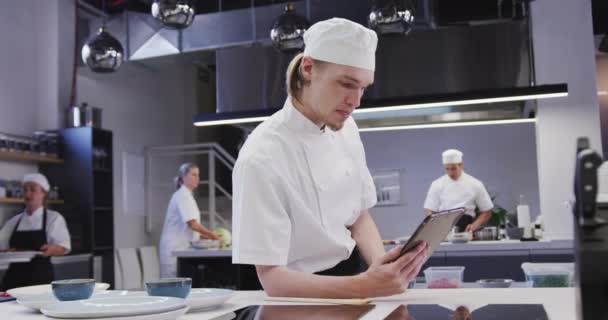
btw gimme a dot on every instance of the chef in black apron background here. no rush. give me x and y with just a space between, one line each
35 229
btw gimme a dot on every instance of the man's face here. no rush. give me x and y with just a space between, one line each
453 170
335 90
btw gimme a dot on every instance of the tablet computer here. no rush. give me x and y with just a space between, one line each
433 230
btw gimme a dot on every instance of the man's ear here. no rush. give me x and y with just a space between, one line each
306 68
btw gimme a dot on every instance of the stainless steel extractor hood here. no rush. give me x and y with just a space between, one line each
445 57
506 105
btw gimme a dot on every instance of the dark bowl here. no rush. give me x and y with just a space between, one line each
495 283
73 289
170 287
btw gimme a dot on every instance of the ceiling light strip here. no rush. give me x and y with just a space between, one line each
444 125
420 102
229 121
462 102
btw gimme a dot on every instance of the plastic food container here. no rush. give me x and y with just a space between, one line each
548 275
443 277
460 237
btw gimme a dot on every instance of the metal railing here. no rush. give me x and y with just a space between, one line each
215 154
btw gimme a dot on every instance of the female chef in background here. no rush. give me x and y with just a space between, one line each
182 222
35 229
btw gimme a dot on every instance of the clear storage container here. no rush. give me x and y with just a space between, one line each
443 277
548 275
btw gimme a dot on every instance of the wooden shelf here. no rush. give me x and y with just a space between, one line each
28 157
20 201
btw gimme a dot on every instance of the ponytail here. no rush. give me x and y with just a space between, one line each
293 77
294 80
178 182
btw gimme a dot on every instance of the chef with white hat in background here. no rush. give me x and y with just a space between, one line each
35 229
458 189
301 186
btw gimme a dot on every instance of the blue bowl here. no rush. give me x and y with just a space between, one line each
170 287
73 289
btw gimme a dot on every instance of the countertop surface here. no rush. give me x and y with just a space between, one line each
445 247
558 302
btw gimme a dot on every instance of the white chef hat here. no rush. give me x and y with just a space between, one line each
451 156
40 179
341 41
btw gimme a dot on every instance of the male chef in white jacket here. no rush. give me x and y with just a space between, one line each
301 185
457 189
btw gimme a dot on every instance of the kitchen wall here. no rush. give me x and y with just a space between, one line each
564 52
503 157
142 106
34 81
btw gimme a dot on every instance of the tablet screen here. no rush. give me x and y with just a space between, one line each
433 229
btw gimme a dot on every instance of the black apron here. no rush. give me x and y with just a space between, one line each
354 265
39 270
463 222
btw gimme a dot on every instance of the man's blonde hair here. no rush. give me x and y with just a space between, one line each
294 80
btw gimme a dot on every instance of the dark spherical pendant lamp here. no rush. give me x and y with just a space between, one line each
102 52
174 14
391 17
287 33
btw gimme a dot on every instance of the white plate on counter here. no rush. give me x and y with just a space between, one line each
18 256
23 292
207 298
126 306
39 301
170 315
206 244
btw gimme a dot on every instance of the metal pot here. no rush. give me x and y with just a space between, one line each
486 234
74 117
91 116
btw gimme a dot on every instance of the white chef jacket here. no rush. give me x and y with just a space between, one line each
468 192
56 228
176 234
296 190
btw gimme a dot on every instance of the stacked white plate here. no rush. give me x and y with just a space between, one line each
119 308
23 292
129 304
204 299
18 256
39 301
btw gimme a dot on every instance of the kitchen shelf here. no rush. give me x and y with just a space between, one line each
20 201
91 193
28 157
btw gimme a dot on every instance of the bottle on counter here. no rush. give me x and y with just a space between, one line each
538 231
502 233
523 213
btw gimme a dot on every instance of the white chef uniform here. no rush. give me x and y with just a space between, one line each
297 189
468 192
176 234
56 228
